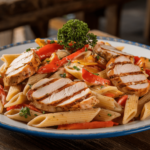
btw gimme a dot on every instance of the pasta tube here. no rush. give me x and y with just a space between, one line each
145 111
20 98
53 119
13 90
14 114
141 102
130 108
106 115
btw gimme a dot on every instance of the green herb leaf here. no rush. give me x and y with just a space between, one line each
102 86
25 112
76 68
52 41
86 49
63 75
97 57
53 116
0 76
47 61
35 114
149 59
96 74
28 49
75 32
109 115
38 47
30 86
43 112
69 62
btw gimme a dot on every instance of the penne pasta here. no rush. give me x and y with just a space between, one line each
103 74
141 102
53 119
14 114
13 90
130 108
8 58
20 98
145 113
106 115
1 107
107 103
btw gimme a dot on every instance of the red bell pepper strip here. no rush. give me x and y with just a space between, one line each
94 79
147 71
136 59
23 105
109 94
47 50
73 55
87 125
51 67
56 63
122 100
2 95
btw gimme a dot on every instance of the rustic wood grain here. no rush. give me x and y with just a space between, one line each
33 11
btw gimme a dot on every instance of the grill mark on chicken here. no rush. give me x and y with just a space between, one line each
71 104
51 81
132 83
112 65
66 98
58 90
125 74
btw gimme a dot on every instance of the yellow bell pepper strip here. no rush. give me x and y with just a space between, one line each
2 95
55 63
42 42
94 79
47 50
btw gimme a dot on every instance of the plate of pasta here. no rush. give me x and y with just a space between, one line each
78 87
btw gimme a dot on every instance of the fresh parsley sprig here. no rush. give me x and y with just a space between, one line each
76 33
25 112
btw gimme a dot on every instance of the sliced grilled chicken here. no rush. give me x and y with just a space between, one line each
21 68
61 95
107 51
126 76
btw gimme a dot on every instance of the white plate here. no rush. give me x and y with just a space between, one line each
133 127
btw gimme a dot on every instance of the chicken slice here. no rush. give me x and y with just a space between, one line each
21 68
61 95
126 76
107 51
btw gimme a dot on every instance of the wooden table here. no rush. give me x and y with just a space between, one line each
10 140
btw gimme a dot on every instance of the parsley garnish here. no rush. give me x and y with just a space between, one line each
57 64
75 67
25 112
53 116
63 75
142 68
102 86
47 61
43 112
38 47
30 85
96 74
97 57
28 49
149 59
69 62
35 114
0 76
75 32
52 41
59 57
86 49
109 115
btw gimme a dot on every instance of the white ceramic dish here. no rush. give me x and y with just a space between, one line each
133 127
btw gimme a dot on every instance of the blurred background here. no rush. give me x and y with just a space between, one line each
22 20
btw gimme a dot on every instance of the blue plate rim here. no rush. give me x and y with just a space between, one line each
70 135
